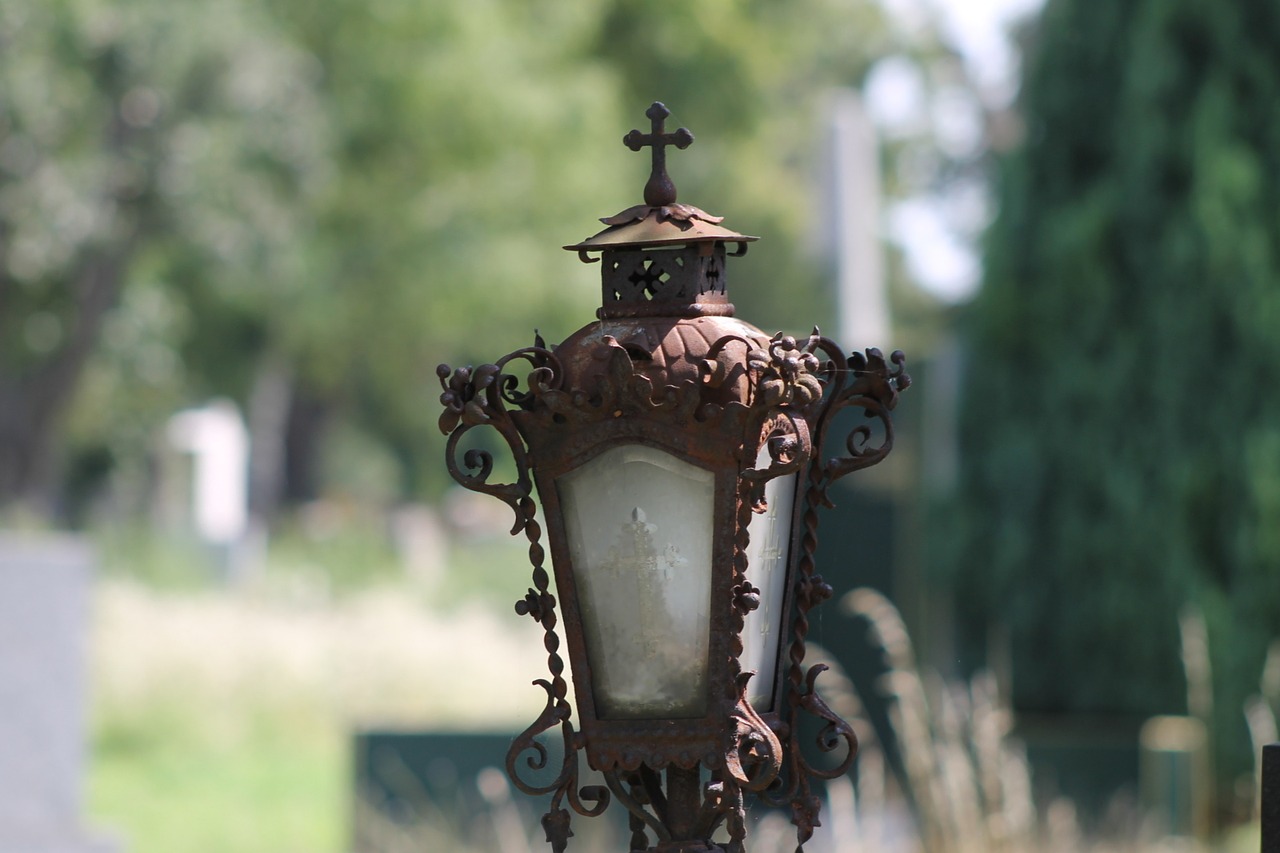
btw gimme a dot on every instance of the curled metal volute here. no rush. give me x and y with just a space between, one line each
476 397
782 789
634 806
556 821
597 795
832 362
478 465
547 374
836 731
785 437
755 757
722 343
715 370
554 713
874 388
859 450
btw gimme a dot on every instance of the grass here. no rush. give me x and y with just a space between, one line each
222 717
170 785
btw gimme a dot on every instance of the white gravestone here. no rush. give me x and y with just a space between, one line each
44 588
218 439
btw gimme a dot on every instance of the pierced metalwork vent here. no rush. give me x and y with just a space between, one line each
643 282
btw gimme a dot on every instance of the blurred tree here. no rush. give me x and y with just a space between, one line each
139 140
470 150
467 147
1121 444
315 203
755 76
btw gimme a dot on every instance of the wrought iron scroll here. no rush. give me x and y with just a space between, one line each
635 793
486 397
482 397
865 380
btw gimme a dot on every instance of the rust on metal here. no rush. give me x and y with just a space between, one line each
668 366
659 226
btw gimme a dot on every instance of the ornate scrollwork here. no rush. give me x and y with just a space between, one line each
788 446
756 758
482 397
486 397
865 380
623 390
556 822
784 394
784 373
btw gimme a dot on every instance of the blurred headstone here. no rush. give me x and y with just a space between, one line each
44 587
216 506
1174 774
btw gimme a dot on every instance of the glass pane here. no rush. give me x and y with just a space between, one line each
767 554
639 523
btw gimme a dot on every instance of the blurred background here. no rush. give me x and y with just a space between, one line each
237 236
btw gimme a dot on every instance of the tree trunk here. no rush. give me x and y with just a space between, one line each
33 402
309 417
270 404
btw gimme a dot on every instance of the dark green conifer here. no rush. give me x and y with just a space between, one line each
1120 424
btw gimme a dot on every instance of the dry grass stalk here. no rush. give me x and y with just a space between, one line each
971 782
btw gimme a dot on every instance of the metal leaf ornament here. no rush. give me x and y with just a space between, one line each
785 373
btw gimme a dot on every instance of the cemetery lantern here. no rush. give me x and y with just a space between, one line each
680 456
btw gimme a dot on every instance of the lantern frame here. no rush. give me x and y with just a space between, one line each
667 367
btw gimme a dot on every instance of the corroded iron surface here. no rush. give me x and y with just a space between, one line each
667 366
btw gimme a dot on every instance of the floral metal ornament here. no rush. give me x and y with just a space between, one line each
670 368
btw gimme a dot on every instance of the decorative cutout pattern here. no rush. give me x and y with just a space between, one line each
677 275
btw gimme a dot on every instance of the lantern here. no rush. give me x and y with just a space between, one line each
678 455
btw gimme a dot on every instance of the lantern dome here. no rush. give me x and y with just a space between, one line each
668 352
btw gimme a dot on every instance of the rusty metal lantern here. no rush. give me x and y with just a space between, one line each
679 456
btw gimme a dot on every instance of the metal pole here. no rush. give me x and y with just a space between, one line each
1270 796
684 799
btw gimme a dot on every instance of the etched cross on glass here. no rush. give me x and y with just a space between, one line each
659 191
638 522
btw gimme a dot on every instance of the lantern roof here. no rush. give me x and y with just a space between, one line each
660 220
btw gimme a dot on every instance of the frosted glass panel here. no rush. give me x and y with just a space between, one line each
767 554
639 523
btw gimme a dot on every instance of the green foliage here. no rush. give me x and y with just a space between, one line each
751 77
171 143
1122 457
352 192
347 193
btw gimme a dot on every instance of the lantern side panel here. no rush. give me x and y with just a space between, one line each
767 554
639 525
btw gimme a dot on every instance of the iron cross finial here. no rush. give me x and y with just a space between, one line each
659 191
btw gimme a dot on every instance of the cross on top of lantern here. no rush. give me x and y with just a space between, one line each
680 457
